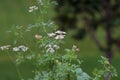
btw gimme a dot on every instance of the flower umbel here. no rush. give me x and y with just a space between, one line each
75 48
5 47
57 35
20 48
51 48
32 8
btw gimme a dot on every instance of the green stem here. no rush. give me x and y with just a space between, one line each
68 76
18 73
51 65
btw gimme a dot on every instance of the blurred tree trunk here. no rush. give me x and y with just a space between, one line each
108 16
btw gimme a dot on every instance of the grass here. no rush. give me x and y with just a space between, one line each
16 12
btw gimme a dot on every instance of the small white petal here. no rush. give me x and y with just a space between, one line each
75 48
30 10
23 48
60 32
31 7
35 7
48 46
56 46
51 50
16 49
60 37
38 36
51 34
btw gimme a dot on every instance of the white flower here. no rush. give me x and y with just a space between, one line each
38 36
60 32
51 34
75 48
60 37
51 50
32 8
57 35
5 47
16 49
56 46
23 48
48 46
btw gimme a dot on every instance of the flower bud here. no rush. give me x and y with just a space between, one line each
38 36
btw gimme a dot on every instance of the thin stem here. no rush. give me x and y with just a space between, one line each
68 76
108 14
18 73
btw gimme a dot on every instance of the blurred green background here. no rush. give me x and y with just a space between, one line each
16 12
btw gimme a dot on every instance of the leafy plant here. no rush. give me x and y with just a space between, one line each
48 62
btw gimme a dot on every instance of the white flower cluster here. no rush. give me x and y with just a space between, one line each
5 47
51 48
20 48
33 8
75 48
57 35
